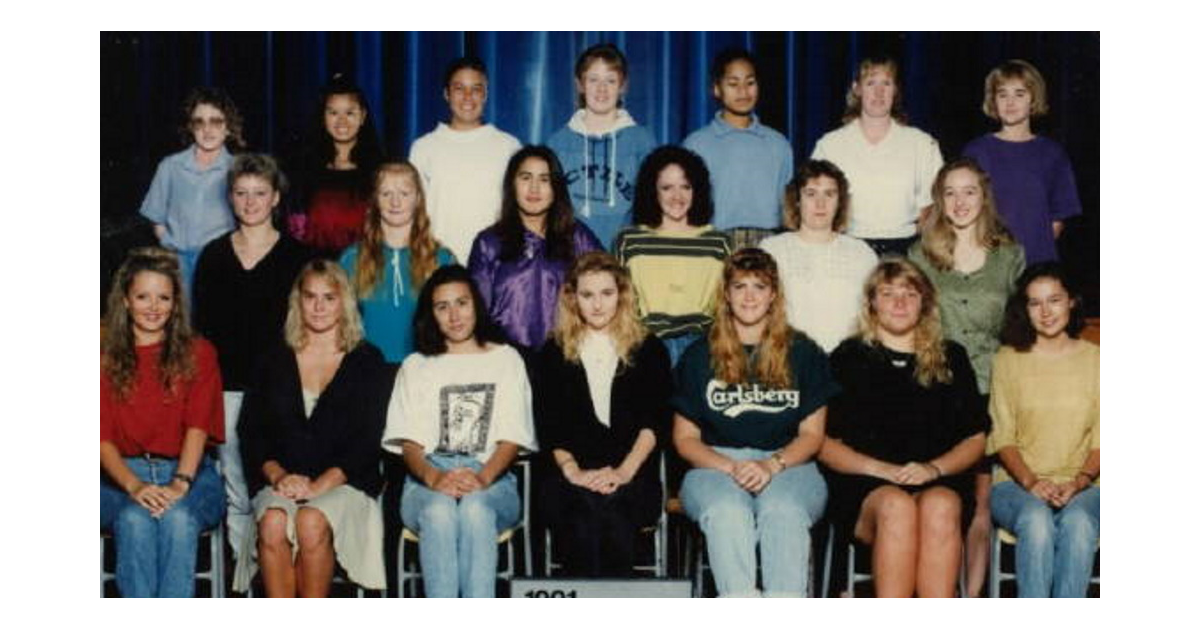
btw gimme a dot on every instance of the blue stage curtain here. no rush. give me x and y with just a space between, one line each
275 77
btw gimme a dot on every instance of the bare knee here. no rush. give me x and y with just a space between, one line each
893 513
941 513
272 530
897 509
312 530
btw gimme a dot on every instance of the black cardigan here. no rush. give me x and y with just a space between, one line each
566 419
345 428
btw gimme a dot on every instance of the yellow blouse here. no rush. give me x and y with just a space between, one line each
1048 407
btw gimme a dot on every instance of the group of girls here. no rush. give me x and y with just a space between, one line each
544 342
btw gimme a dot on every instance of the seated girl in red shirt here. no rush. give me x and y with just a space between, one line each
160 406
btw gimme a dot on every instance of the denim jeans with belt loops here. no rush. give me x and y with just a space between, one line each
1056 547
156 557
777 521
458 536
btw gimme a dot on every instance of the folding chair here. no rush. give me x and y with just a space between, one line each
407 572
214 575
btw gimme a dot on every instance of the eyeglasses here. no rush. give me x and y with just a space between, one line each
214 122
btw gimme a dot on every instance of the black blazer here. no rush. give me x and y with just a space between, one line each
565 417
345 428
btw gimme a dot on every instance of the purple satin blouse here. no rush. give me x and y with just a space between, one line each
522 294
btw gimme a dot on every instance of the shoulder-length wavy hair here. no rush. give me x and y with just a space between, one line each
626 329
350 328
1018 330
217 98
854 100
729 361
647 211
805 173
560 219
368 270
1024 72
937 232
430 341
118 359
929 344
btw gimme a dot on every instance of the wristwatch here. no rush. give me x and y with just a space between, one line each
186 478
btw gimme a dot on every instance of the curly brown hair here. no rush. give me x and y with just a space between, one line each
220 100
118 359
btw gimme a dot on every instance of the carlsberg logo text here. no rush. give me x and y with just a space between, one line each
733 401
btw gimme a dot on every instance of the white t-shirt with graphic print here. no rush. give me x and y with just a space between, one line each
462 403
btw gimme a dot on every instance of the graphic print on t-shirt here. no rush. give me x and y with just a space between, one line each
738 399
466 415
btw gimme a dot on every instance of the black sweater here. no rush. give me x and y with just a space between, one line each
344 430
241 311
565 417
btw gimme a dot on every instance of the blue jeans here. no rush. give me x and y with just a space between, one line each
1056 547
777 520
240 517
187 271
458 536
156 557
676 345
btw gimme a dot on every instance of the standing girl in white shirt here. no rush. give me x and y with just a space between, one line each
889 163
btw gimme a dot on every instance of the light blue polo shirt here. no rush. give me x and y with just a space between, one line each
749 169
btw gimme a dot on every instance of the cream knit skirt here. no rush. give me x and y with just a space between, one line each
357 525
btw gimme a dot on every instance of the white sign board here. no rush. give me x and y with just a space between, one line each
550 587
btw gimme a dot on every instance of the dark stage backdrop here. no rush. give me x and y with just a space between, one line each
274 79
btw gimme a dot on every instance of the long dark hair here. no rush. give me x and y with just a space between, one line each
560 218
1018 331
429 337
367 152
646 210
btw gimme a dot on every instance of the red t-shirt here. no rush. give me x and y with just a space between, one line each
150 420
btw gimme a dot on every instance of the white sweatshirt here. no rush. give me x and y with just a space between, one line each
462 173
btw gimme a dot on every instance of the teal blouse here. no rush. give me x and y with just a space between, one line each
388 311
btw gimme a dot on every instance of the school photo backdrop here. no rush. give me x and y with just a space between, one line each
274 78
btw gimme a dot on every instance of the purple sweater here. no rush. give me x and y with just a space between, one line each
1034 187
522 294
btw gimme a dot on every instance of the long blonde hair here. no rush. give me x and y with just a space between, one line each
118 358
350 328
368 268
729 361
626 329
928 343
938 238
